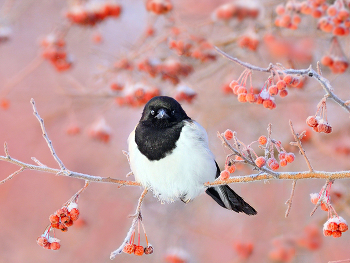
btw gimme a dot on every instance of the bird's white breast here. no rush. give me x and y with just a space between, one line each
182 173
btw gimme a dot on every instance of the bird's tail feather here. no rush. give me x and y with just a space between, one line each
227 198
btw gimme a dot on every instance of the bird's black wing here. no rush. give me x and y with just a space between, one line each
228 199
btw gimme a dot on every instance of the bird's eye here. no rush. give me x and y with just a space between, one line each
152 112
172 112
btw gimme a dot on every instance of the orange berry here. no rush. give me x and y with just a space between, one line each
65 219
283 162
262 140
268 103
55 246
336 233
343 14
260 161
273 164
283 93
288 79
235 89
259 100
228 134
282 155
296 19
231 169
332 10
116 87
327 61
290 157
343 227
327 233
242 97
139 250
129 248
281 84
42 241
338 31
324 206
250 97
224 175
333 226
233 83
280 9
55 225
241 90
74 214
295 82
317 13
273 90
62 212
54 219
311 121
285 20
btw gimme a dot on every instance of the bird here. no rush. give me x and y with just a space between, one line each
169 155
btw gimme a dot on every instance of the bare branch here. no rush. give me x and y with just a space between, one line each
137 217
302 72
49 143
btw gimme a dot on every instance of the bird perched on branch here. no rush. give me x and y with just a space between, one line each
169 155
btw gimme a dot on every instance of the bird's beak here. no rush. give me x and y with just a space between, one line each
162 114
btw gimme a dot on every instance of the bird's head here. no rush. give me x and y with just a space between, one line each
162 112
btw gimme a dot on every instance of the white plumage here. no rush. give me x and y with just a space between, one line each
182 173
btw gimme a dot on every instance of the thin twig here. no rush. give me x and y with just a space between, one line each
302 151
324 189
290 200
12 175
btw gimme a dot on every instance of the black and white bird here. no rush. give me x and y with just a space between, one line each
169 155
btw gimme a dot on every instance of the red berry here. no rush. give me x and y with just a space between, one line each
55 246
273 164
273 90
333 226
282 155
288 79
129 248
327 233
343 227
42 241
281 84
260 161
139 250
283 93
54 219
231 169
290 157
228 134
283 162
311 121
262 140
74 214
336 233
224 175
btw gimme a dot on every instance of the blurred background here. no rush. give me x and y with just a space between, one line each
90 74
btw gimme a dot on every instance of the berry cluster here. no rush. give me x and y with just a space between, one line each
287 15
239 10
159 7
195 47
315 197
64 217
268 145
283 156
249 40
336 20
55 52
184 93
266 96
335 59
92 12
171 69
73 129
319 122
48 242
100 131
284 249
135 95
138 250
335 226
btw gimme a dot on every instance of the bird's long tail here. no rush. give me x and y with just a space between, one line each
227 198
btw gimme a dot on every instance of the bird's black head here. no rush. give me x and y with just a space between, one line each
162 112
